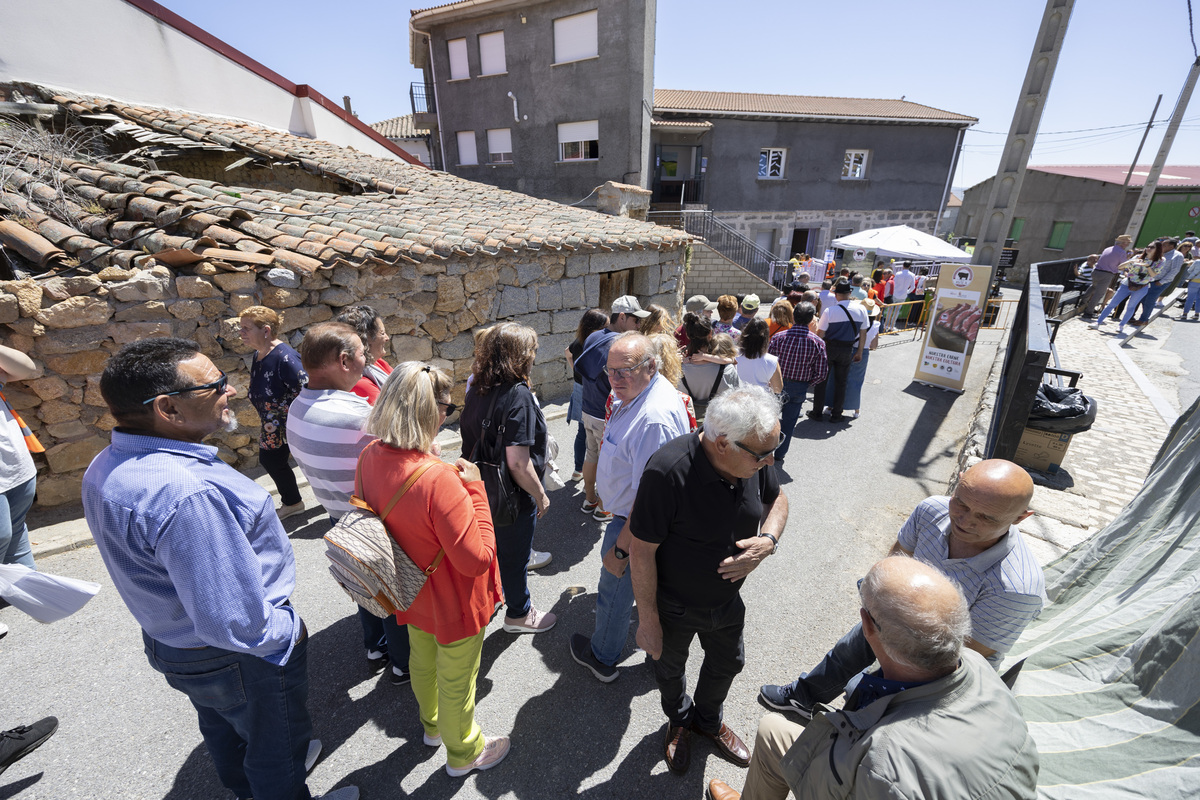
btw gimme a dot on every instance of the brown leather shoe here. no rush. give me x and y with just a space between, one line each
678 748
720 790
728 744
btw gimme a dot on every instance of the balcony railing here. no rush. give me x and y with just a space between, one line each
422 98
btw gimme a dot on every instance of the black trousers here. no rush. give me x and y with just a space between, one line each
839 357
720 632
275 462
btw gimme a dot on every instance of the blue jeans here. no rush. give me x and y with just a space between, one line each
1192 304
253 714
14 534
850 656
514 546
1123 291
385 635
614 604
796 392
1156 289
720 632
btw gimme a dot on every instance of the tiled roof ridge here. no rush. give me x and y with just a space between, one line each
663 103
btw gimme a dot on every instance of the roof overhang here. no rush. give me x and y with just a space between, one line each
957 123
422 20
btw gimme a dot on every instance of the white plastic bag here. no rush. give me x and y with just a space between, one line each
46 598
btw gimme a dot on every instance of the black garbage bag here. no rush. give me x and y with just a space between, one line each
1059 410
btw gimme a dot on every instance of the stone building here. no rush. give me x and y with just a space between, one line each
184 220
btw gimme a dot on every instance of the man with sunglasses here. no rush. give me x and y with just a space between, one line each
708 510
648 413
198 555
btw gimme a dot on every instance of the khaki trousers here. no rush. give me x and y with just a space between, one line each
775 737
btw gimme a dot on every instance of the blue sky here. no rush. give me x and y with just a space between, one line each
967 57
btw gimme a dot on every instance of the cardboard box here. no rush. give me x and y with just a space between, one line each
1042 450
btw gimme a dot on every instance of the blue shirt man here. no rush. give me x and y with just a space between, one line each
199 556
648 413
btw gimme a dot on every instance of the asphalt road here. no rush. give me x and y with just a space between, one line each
125 734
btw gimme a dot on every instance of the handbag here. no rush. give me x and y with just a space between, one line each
503 495
367 562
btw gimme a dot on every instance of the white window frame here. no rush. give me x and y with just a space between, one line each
468 155
577 140
775 167
855 164
576 38
456 50
492 58
499 145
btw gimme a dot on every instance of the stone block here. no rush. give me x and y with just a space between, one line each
240 301
565 321
125 332
478 280
71 429
442 364
437 329
529 273
48 388
577 265
236 440
550 298
59 490
294 318
338 297
646 280
110 274
422 302
21 400
10 309
283 278
71 456
235 281
28 293
506 275
573 293
591 292
344 276
450 294
460 347
314 282
148 311
207 269
622 259
515 301
141 287
74 340
549 372
54 411
412 348
539 321
214 307
186 309
278 297
552 346
403 321
75 312
63 288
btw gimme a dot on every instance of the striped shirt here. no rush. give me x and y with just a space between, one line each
801 355
325 433
1004 585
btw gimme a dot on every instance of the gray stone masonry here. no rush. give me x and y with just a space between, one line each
712 275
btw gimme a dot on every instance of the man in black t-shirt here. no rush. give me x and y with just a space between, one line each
706 513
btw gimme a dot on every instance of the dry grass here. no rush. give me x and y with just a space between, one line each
27 152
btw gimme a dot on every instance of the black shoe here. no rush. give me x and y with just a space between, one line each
816 415
24 739
399 677
581 651
376 660
780 698
837 418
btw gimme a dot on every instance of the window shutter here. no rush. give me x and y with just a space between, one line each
458 59
466 148
579 131
499 140
491 53
575 37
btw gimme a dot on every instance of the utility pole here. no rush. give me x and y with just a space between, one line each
1006 187
1143 203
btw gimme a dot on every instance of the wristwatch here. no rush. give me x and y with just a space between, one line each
774 541
619 553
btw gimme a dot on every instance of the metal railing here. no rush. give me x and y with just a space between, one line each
720 237
673 190
421 96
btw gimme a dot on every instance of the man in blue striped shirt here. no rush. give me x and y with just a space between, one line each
971 537
199 556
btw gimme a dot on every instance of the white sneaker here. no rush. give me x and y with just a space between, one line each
576 476
538 559
344 793
494 751
314 752
533 622
432 741
1095 325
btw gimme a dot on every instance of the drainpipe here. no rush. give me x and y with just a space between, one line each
437 104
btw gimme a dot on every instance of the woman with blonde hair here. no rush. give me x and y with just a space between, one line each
442 522
727 308
781 318
276 377
501 395
670 366
659 321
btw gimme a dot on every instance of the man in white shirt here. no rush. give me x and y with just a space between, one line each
904 283
842 326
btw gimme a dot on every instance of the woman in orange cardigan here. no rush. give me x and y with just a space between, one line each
444 513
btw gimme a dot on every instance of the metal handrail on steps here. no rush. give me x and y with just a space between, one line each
721 237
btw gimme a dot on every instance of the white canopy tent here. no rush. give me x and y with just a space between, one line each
901 241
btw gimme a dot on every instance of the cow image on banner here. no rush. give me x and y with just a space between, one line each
953 326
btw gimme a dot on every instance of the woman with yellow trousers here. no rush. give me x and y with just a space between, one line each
443 513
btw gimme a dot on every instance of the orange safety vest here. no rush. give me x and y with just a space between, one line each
31 441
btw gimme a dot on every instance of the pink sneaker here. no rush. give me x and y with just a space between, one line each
494 751
533 622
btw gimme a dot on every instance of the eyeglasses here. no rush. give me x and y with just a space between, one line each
625 373
450 407
866 611
758 457
219 384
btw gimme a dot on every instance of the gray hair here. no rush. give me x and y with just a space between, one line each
916 630
647 346
741 412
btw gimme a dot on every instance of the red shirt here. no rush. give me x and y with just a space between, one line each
438 512
367 388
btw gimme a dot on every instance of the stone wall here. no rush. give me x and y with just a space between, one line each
70 326
712 275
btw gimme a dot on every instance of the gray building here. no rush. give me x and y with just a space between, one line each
549 99
1072 211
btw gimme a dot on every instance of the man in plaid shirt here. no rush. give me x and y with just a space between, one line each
802 361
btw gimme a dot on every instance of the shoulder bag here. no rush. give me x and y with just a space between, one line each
503 494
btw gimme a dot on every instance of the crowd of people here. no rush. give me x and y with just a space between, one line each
1135 280
683 426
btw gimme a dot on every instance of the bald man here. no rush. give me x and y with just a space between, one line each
934 721
972 538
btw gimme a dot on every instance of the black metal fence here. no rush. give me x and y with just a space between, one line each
422 98
721 237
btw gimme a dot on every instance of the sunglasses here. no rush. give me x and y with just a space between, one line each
758 457
450 408
219 384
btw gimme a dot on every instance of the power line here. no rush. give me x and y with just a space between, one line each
1085 130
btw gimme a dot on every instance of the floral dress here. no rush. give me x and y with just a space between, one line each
275 380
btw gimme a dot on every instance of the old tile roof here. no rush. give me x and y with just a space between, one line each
1172 174
787 105
404 213
692 125
399 128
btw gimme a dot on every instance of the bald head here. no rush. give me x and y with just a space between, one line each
989 499
919 616
1001 482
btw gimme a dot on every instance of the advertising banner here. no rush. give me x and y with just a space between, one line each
953 325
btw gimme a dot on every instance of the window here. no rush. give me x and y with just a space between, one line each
491 54
1058 236
466 149
1018 226
575 38
499 145
840 232
854 165
771 162
579 141
458 59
